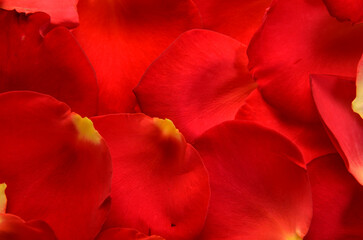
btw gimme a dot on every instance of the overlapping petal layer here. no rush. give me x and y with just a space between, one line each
344 10
297 38
337 201
257 190
56 166
160 185
14 228
54 64
200 81
237 18
357 104
125 234
310 138
333 97
122 37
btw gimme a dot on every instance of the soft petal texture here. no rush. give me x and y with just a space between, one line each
200 81
344 10
125 234
257 190
14 228
310 138
52 172
337 201
160 185
333 96
237 18
297 38
123 37
54 64
357 104
61 12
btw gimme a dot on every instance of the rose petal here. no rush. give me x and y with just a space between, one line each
54 65
56 166
14 228
298 38
343 10
200 81
125 234
122 38
357 104
257 191
160 185
337 201
310 138
61 12
237 18
333 96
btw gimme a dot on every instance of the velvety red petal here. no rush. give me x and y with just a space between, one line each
56 166
333 97
257 191
346 10
61 12
200 81
125 234
160 185
54 64
239 19
14 228
310 138
297 38
337 201
123 37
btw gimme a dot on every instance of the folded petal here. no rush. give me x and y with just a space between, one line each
337 201
257 190
14 228
160 185
237 18
123 37
56 166
310 138
346 10
200 81
297 38
125 234
53 64
333 96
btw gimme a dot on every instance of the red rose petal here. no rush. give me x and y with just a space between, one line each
56 166
310 138
122 38
337 201
125 234
298 38
200 81
160 185
14 228
237 18
343 10
257 191
61 12
54 65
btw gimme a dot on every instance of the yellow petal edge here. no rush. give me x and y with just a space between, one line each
357 104
3 199
167 128
85 128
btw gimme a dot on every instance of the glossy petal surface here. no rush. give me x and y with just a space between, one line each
54 64
51 170
333 97
14 228
123 37
297 38
200 81
125 234
160 185
257 190
239 19
310 138
337 201
343 10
